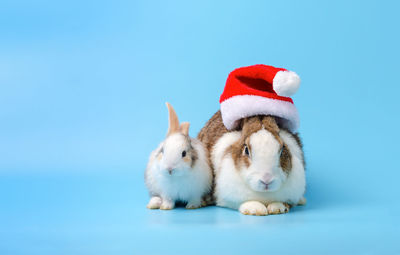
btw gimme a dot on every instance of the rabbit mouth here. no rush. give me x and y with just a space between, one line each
265 185
170 170
175 172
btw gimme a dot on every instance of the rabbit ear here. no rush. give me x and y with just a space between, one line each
173 120
184 128
250 125
269 123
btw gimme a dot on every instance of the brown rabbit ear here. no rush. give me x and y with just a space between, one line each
242 122
173 120
250 125
269 123
239 125
184 128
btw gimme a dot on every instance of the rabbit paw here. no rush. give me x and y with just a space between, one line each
302 201
253 208
193 205
277 208
154 203
167 204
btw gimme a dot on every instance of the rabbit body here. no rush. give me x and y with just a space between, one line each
187 184
258 169
178 170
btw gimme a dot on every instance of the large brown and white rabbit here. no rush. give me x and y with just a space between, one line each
178 170
259 167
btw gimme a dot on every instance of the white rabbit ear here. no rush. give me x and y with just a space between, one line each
173 120
184 128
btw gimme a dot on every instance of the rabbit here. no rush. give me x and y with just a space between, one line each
178 170
259 167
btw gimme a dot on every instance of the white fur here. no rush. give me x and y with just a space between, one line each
286 83
238 107
184 183
237 186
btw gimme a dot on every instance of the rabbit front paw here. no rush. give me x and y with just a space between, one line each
154 203
167 204
193 204
253 208
302 201
277 208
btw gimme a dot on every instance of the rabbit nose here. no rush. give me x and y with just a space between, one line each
267 178
170 169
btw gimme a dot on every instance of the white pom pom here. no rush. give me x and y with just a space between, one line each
286 83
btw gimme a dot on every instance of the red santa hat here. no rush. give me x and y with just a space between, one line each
260 90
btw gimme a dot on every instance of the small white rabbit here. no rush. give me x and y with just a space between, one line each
178 170
259 169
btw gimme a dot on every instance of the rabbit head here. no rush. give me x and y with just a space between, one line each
260 155
176 154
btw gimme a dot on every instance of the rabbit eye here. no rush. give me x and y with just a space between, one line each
281 151
161 150
246 151
183 154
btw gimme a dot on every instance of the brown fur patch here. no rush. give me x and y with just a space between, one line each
297 138
300 143
288 206
193 155
236 150
187 159
270 124
212 131
250 126
286 159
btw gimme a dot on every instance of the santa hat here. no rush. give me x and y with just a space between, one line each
260 90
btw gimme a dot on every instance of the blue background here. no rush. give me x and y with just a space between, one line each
82 93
